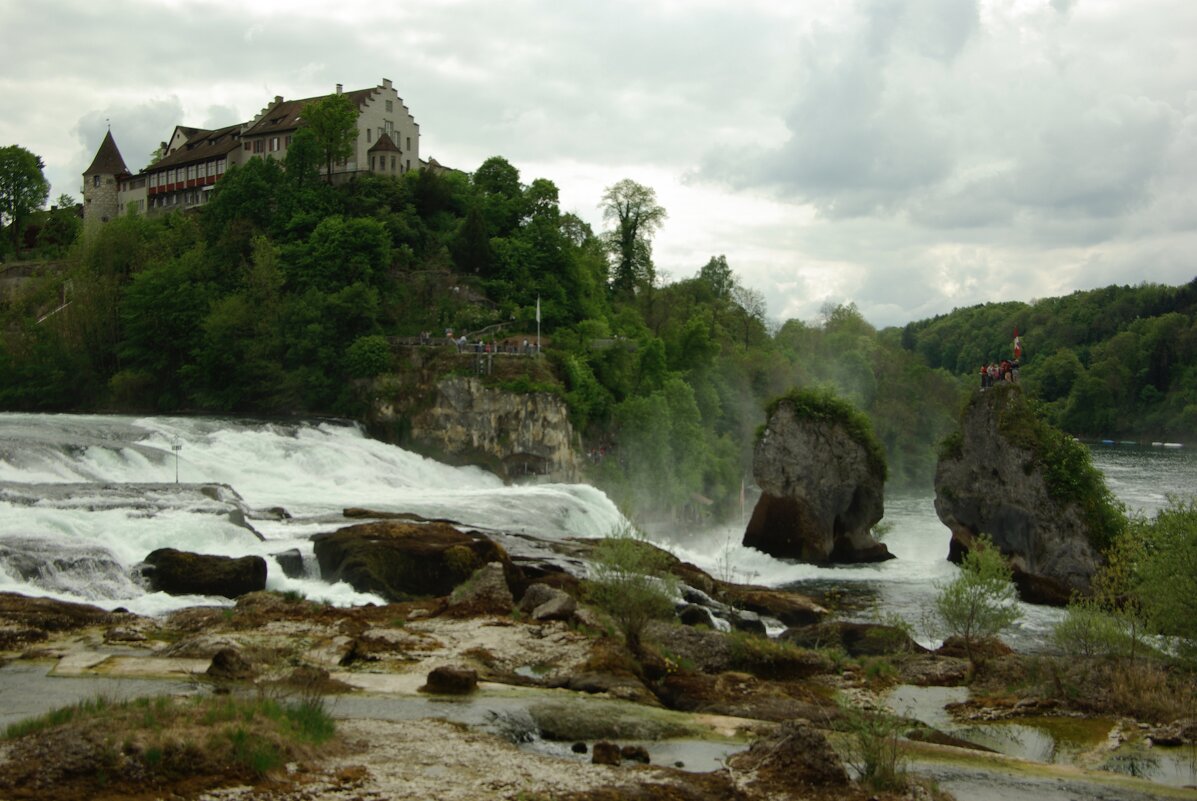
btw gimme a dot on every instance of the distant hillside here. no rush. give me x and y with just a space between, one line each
1118 361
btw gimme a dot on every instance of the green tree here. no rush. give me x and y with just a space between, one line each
333 122
633 210
23 189
1165 574
981 602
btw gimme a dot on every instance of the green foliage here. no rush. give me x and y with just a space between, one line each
633 211
1091 630
873 748
368 356
631 582
823 405
1163 572
982 601
333 122
23 189
1068 470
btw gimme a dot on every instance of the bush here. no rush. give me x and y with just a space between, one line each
368 357
1093 632
982 601
631 582
873 750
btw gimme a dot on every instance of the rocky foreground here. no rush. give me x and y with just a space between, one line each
512 687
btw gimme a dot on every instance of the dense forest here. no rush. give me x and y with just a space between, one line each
283 296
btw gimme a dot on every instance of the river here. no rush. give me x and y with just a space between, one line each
84 498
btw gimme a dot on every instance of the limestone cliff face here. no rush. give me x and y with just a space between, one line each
821 493
465 422
990 482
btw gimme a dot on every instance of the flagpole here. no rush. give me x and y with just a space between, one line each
538 325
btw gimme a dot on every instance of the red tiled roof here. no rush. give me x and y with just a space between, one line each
108 159
201 146
285 115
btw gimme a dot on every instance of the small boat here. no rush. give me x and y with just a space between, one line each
1173 445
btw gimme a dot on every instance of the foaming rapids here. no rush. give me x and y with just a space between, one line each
84 498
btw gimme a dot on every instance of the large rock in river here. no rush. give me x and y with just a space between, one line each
1031 488
400 560
821 474
184 573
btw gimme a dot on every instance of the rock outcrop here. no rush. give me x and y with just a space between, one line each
822 487
466 422
400 560
993 479
183 573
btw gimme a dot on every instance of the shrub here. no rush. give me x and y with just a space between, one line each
981 602
872 749
368 357
631 582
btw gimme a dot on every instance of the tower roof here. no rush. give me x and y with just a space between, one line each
108 159
384 143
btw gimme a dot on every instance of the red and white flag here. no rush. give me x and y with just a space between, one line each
1017 344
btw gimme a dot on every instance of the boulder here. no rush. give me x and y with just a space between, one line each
792 760
448 680
996 478
858 639
791 608
291 562
544 602
184 573
485 592
400 560
229 663
695 615
605 753
821 480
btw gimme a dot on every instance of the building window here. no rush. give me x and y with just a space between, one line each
287 141
257 145
409 143
274 144
409 164
191 173
390 106
369 134
388 126
392 163
95 181
247 146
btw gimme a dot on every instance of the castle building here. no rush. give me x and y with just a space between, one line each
194 159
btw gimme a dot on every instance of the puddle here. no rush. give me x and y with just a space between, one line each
27 689
696 756
1175 767
926 703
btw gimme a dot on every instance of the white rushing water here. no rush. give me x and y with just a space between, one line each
84 498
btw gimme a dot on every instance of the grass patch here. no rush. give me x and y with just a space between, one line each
159 740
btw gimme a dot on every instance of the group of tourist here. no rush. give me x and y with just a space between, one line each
1005 370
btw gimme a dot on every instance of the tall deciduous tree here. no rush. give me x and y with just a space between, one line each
333 121
23 189
636 216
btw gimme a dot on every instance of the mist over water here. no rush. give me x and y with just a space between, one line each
84 498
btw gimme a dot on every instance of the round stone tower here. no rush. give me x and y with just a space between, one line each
101 182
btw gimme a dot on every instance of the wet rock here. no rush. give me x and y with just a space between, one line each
605 753
579 748
635 753
624 686
822 490
990 648
291 562
449 680
485 592
400 560
791 608
858 639
750 622
695 615
230 664
183 573
933 671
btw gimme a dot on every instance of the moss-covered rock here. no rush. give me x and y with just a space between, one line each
400 560
184 573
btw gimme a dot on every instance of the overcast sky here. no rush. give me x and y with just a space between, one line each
910 156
